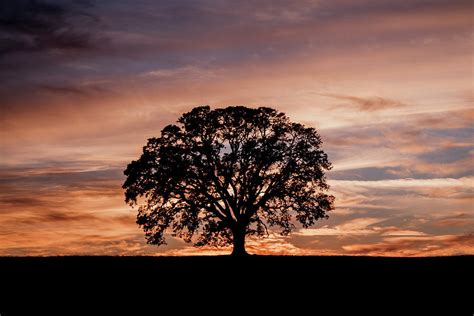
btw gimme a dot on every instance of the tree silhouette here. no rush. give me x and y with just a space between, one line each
220 175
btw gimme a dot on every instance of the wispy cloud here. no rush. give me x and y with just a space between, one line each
409 183
364 226
373 103
79 90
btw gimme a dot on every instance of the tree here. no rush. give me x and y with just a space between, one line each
220 175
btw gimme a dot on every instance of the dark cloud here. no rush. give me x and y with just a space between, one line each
465 132
69 90
448 155
52 217
36 25
373 103
461 220
65 217
223 31
12 202
350 8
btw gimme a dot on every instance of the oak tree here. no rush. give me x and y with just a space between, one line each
220 175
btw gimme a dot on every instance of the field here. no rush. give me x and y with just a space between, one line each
270 283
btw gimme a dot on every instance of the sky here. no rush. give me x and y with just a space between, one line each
388 84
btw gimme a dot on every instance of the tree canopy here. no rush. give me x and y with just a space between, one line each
219 175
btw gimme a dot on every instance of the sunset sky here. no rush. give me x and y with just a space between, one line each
388 84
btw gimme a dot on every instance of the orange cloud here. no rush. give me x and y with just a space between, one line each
274 244
462 220
416 246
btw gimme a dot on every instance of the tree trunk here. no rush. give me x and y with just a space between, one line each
239 242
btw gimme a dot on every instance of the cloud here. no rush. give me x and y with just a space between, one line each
433 196
408 183
55 217
28 25
395 231
461 220
62 90
71 90
358 226
374 103
367 174
274 245
411 146
35 201
47 244
449 155
193 251
363 226
416 246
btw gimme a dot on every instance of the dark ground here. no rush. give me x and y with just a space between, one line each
226 285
